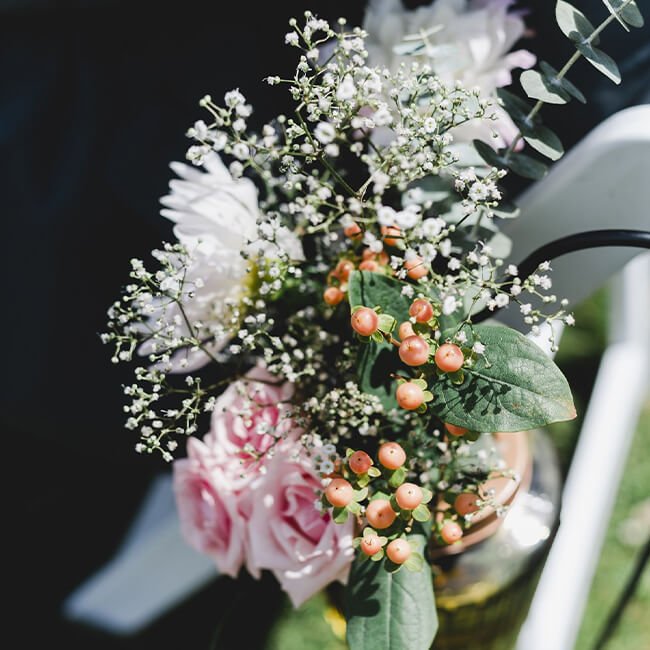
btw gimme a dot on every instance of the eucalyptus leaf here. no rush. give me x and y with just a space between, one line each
526 166
390 610
601 61
616 15
433 188
541 87
629 14
513 387
543 140
516 107
573 23
491 157
552 74
409 48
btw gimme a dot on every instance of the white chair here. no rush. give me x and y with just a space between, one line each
603 182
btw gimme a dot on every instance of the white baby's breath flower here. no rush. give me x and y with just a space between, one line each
325 132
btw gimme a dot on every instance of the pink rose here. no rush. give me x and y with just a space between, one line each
207 507
287 534
247 419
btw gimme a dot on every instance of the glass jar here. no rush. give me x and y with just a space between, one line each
485 585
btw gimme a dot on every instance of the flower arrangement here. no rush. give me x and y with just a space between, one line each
320 311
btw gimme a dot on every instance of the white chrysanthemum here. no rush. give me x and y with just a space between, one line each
471 45
216 217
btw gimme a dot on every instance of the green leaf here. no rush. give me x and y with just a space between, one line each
516 107
377 360
340 515
408 49
542 139
390 610
601 61
377 337
573 23
513 387
422 513
552 74
427 495
360 495
526 166
505 210
630 13
616 15
386 323
415 562
374 472
539 86
433 188
491 157
354 508
397 477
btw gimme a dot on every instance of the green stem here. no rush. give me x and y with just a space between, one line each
565 68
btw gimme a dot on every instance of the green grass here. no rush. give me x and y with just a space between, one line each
618 555
312 627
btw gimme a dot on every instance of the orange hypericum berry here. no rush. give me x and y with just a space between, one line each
451 532
392 234
383 258
360 462
398 551
353 231
406 329
421 310
391 455
339 492
368 265
344 268
415 268
379 514
368 254
449 357
409 396
333 296
465 503
454 430
414 351
370 544
408 496
365 321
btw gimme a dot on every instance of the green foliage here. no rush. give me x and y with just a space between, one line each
601 61
573 23
514 387
377 360
577 28
626 12
390 609
553 75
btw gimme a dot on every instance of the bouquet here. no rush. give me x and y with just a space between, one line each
320 311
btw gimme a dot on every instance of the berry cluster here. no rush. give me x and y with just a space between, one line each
337 279
382 500
419 347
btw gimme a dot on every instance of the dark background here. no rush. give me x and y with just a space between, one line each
95 99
